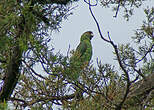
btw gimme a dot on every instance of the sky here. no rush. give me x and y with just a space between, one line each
120 30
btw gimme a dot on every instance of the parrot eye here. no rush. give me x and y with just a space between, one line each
92 34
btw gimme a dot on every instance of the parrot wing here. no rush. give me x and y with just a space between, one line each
82 47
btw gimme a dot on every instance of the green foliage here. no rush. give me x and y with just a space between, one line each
128 57
126 6
4 106
148 68
146 31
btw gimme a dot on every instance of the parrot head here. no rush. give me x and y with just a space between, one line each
87 36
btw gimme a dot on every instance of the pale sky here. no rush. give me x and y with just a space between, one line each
120 30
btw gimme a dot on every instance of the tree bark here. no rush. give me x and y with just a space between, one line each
12 75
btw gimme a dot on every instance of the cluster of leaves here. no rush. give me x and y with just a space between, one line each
145 39
33 19
127 6
4 106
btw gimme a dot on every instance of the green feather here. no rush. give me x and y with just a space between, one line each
82 47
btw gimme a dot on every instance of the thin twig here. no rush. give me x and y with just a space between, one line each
68 51
33 71
90 3
139 72
19 100
150 49
117 10
109 36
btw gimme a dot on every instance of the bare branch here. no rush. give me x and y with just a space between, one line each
117 10
139 72
90 3
43 99
19 100
33 71
150 49
68 51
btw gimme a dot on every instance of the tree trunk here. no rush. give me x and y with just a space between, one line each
12 75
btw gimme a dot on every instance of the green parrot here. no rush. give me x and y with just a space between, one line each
82 56
83 52
80 59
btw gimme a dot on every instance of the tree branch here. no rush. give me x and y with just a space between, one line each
40 76
45 99
150 49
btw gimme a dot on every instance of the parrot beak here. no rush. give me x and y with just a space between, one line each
92 35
